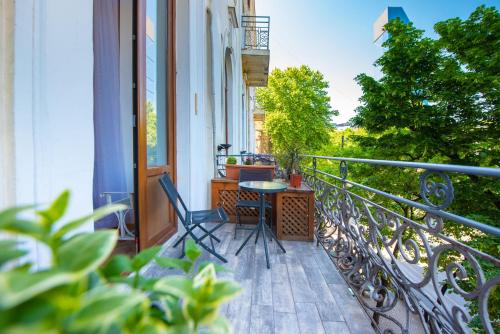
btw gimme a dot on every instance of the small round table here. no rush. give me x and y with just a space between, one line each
263 188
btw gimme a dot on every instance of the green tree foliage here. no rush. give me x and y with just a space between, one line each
298 111
151 132
438 101
82 292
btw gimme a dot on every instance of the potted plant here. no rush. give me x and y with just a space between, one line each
233 169
232 172
89 292
292 167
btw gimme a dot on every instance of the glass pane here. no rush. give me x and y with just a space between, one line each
156 78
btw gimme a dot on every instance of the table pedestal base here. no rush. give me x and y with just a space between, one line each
262 228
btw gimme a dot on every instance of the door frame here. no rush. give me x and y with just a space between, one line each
141 171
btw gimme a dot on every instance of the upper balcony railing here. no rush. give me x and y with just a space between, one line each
255 158
409 272
256 32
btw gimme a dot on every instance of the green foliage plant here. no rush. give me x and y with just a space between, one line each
81 291
231 161
297 113
248 162
438 100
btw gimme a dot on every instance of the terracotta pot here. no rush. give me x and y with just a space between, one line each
295 180
233 171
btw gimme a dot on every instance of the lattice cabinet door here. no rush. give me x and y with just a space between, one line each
225 193
295 215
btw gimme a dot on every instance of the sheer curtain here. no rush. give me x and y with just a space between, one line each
109 169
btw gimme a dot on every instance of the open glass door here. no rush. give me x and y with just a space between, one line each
155 118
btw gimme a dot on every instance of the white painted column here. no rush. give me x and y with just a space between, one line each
7 167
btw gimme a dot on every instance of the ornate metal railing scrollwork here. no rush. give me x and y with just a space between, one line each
406 272
440 190
256 32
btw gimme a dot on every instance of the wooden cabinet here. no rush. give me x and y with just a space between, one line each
225 193
293 209
294 214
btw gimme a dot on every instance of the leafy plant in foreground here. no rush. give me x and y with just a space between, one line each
80 293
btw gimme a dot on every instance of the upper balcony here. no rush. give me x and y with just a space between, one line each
255 52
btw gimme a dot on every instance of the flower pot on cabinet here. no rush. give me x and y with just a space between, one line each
233 171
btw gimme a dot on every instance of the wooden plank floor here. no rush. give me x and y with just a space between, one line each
301 293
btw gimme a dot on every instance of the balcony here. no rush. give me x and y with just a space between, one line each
370 269
255 51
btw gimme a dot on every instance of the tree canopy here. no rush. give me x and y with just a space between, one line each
438 101
297 109
437 98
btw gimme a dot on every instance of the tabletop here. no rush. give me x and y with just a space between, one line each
263 186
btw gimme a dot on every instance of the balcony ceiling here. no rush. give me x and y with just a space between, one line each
256 66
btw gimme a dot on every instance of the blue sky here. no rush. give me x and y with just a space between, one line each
335 37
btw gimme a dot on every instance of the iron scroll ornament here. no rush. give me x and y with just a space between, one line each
442 191
387 271
343 169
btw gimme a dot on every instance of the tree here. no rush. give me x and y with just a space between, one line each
438 101
151 133
437 98
298 111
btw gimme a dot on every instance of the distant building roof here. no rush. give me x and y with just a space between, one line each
389 14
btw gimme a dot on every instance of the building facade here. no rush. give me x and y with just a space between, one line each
112 98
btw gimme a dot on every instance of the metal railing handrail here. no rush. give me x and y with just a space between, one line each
256 31
398 261
470 170
443 214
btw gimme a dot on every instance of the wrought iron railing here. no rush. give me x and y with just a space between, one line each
255 158
408 273
256 32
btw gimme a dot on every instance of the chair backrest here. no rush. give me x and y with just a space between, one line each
255 175
174 197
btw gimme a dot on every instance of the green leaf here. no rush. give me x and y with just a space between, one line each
144 257
192 251
85 252
10 251
167 262
23 227
176 286
18 287
98 214
218 268
55 211
220 325
11 213
207 273
106 306
118 265
223 291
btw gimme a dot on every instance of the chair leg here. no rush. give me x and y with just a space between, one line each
208 232
271 224
182 237
257 236
238 223
202 244
183 252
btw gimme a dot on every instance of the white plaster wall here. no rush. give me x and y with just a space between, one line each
53 104
193 159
